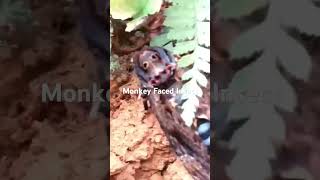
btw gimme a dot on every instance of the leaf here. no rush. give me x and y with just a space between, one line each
169 47
293 56
188 116
189 109
191 89
182 23
125 9
202 66
304 22
161 40
152 7
202 35
203 9
184 3
186 61
187 25
239 8
180 12
232 127
188 75
132 25
249 42
138 10
266 125
261 86
263 81
179 35
185 46
201 79
238 111
191 104
202 53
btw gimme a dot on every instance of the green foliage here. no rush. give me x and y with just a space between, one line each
138 10
239 8
14 12
114 63
262 76
188 35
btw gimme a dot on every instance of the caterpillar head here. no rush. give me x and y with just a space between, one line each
155 66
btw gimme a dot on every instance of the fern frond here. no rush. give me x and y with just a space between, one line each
138 10
239 8
188 36
262 87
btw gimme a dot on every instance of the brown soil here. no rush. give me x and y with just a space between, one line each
48 140
58 140
139 148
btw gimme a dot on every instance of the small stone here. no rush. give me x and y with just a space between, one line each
157 138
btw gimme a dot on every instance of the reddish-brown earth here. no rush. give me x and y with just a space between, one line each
138 146
58 141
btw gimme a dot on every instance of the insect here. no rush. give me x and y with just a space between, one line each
155 67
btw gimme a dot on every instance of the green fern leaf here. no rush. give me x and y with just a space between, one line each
179 35
186 61
293 56
239 8
161 40
188 75
304 22
183 47
202 66
191 89
182 23
201 79
138 10
259 87
253 40
189 110
188 25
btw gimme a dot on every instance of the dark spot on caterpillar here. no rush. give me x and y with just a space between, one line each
145 65
157 77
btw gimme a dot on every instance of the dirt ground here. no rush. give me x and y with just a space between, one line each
138 146
48 140
58 141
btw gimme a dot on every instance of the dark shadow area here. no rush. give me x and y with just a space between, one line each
48 132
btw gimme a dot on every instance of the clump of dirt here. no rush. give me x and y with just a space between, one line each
139 149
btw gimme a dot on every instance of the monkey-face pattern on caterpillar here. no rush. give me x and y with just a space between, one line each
155 66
